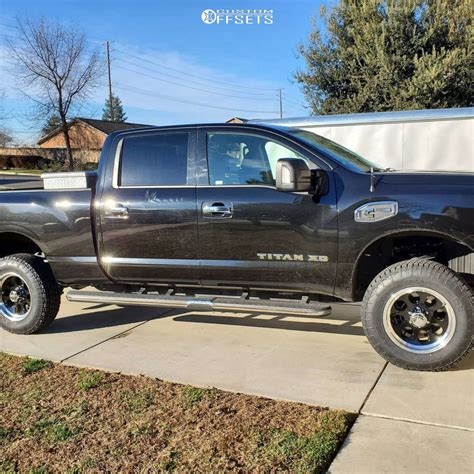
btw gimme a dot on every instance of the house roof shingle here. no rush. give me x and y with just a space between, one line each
105 126
108 127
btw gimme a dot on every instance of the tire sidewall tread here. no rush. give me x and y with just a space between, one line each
419 271
44 291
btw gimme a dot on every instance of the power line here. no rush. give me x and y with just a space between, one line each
285 97
227 83
9 26
186 101
293 101
19 37
193 75
193 81
246 90
6 35
194 88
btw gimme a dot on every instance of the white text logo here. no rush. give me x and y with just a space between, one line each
237 17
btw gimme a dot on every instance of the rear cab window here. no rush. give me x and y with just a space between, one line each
159 159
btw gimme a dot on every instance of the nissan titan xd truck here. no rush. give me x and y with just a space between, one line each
252 218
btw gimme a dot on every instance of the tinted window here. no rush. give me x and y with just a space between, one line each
339 153
154 160
238 158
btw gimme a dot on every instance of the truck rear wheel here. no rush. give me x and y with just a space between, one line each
418 315
30 296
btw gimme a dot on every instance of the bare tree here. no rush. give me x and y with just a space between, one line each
51 62
5 138
5 135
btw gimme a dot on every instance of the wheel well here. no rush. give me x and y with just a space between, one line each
11 243
392 249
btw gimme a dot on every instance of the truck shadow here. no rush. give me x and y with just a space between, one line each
291 323
104 316
344 320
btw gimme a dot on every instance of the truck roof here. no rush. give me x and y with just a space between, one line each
262 126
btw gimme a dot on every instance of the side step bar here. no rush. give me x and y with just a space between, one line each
195 303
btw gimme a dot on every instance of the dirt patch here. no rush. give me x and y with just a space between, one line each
57 418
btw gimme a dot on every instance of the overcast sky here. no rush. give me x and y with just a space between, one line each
168 66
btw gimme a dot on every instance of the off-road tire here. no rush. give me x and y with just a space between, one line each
432 275
44 291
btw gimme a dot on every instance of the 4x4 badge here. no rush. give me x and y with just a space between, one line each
376 211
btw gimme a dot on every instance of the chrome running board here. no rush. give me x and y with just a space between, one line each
196 303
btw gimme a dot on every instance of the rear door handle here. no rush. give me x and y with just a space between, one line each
217 209
117 211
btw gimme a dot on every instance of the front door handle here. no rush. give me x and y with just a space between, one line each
117 211
217 209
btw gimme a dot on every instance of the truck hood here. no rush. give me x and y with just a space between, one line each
426 178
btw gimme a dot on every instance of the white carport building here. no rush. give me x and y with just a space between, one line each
438 139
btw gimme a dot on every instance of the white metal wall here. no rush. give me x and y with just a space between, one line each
425 140
430 145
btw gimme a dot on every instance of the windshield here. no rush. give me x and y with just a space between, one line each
337 152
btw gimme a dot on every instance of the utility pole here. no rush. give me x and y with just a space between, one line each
281 104
110 78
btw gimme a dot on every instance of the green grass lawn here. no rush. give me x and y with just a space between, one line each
55 418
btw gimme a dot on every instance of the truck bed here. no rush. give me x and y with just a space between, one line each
9 181
59 222
20 185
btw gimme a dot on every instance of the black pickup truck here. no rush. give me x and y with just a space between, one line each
253 218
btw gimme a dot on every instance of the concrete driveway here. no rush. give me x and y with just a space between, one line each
317 361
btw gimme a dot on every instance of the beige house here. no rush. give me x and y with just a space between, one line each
87 137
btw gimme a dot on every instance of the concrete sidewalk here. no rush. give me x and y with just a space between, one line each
414 422
317 361
379 445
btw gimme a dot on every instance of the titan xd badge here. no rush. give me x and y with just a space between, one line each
292 257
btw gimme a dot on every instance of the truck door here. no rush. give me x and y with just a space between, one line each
250 233
148 216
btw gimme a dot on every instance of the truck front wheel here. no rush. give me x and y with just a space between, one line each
30 296
418 315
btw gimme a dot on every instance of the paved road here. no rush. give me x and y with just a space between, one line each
410 421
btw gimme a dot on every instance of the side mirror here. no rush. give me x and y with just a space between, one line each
293 175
